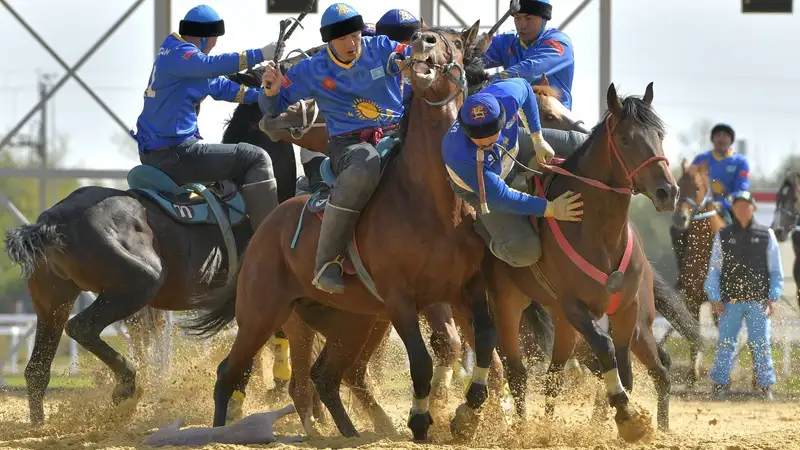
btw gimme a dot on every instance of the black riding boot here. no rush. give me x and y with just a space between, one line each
260 199
337 227
679 246
311 169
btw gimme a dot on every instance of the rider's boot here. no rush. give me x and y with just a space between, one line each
260 199
679 238
337 227
311 169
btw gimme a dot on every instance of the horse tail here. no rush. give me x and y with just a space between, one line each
27 244
218 309
672 305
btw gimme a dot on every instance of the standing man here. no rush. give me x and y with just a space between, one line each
745 279
534 50
183 76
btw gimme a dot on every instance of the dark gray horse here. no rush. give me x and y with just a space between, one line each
156 245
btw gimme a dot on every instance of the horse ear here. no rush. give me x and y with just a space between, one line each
614 104
470 34
685 165
544 81
648 94
423 25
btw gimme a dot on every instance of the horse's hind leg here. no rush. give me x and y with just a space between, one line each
356 379
52 298
446 345
563 349
301 339
114 304
343 344
657 361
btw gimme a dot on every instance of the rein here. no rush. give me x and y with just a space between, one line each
695 207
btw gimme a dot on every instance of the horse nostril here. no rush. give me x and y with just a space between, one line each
662 195
430 38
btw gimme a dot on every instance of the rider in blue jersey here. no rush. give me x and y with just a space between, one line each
534 50
398 25
184 75
729 173
495 127
361 101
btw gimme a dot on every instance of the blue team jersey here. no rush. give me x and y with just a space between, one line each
729 174
353 96
551 54
182 76
460 153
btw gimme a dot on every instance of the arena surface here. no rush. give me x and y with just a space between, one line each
82 418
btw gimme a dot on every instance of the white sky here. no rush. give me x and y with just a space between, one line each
708 61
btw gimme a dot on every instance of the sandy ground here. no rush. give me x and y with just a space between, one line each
83 419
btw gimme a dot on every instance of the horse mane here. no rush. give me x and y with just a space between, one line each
547 91
634 108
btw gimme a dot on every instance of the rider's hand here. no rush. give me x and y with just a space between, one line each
769 308
544 153
272 74
484 41
566 207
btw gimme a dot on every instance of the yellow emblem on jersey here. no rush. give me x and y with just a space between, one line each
367 110
717 187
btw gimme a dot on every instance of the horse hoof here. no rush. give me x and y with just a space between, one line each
635 424
419 425
465 423
123 392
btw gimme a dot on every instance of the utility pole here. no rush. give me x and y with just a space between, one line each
40 144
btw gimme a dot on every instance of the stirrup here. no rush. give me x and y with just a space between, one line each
339 260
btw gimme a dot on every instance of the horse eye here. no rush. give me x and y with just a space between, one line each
624 141
458 45
550 117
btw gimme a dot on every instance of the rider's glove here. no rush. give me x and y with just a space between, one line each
544 153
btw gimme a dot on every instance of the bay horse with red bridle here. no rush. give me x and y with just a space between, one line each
597 266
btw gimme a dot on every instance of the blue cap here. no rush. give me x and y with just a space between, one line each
202 21
368 30
541 8
481 116
340 19
398 25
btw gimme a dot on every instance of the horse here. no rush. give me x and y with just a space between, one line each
409 217
696 215
155 245
576 290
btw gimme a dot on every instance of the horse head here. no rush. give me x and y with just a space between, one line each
636 134
696 195
553 113
438 63
787 206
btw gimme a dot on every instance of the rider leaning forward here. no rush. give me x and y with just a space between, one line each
184 75
495 127
361 102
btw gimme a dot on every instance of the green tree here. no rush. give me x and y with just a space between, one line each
24 194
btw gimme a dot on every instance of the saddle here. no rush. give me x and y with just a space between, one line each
214 203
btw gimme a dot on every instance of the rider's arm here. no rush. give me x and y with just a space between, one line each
498 195
527 101
740 182
187 61
294 87
711 285
775 268
551 56
221 88
494 54
386 47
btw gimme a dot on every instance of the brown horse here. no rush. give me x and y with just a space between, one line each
570 279
699 221
406 240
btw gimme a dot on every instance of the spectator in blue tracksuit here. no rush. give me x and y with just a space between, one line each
184 75
745 279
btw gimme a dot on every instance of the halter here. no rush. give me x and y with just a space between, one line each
695 207
445 69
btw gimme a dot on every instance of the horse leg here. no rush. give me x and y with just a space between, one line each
301 339
404 317
564 342
446 344
356 379
112 305
281 370
657 361
343 344
695 355
53 298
